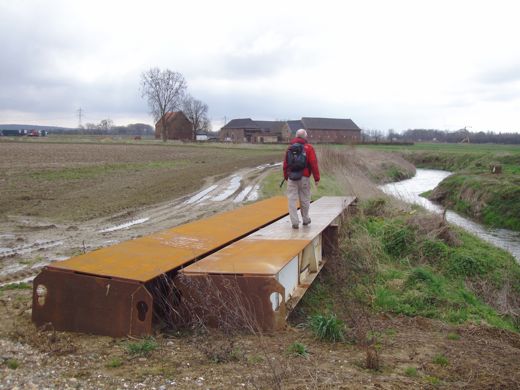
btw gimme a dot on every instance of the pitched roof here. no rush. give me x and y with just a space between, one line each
270 126
172 115
243 123
329 124
295 125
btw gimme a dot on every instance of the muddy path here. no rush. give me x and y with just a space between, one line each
27 244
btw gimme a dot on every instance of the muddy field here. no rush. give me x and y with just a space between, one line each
76 182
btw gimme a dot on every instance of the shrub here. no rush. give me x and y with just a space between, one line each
398 239
453 336
411 372
327 327
114 363
299 349
13 364
143 347
465 264
441 360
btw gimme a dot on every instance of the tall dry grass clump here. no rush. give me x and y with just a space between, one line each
359 171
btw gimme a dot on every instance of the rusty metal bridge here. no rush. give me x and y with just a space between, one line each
250 253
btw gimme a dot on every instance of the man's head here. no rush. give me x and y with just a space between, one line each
301 133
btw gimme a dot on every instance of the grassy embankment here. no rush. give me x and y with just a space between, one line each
401 260
493 199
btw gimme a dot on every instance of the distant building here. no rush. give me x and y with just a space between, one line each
290 128
178 127
319 130
251 131
331 130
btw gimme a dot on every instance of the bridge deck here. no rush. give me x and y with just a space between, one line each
145 258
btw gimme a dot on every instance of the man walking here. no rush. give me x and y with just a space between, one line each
300 162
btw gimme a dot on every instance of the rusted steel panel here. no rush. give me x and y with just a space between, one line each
233 301
84 303
145 258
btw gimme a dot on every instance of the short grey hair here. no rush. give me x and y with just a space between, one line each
301 133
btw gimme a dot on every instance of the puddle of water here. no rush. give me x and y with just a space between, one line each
24 249
200 195
26 280
240 197
12 268
253 195
124 225
264 166
233 186
427 179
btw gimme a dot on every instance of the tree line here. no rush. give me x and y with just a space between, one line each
445 136
107 127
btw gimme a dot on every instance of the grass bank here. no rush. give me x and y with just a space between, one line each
415 264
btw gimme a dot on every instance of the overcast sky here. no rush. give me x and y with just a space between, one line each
384 64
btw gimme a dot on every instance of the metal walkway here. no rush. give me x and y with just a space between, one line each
256 281
112 291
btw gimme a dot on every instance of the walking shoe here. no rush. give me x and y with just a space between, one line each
295 226
307 223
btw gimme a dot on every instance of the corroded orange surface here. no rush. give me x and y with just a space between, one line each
271 248
249 256
145 258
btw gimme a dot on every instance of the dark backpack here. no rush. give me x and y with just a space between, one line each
296 161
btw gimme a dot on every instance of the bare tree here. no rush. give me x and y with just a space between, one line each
164 91
197 113
106 124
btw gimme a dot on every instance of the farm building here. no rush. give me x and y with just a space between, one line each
320 130
249 130
178 127
290 128
331 130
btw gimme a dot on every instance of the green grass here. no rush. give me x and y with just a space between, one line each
432 380
440 360
494 199
447 148
453 336
143 347
298 349
114 363
411 372
13 364
327 327
16 286
394 267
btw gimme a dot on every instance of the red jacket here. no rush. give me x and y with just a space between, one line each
312 161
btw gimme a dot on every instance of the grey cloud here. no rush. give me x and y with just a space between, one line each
501 76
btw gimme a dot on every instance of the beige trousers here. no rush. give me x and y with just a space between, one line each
299 190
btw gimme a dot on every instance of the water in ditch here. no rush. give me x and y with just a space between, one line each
427 179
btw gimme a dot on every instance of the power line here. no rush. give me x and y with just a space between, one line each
80 115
